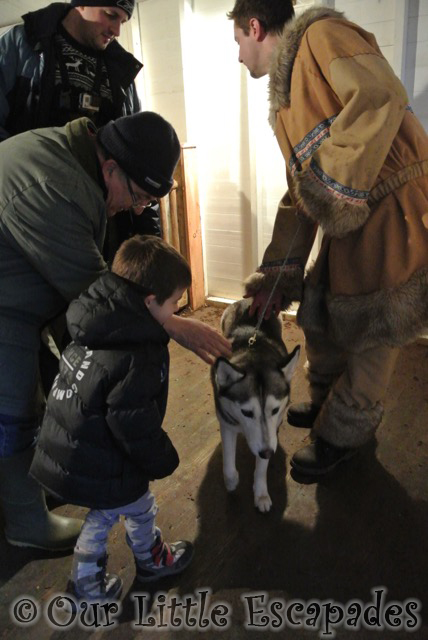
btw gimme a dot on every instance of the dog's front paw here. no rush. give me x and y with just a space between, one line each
263 503
231 481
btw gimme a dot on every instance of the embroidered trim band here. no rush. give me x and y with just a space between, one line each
310 143
354 196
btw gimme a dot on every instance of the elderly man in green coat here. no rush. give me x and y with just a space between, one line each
58 187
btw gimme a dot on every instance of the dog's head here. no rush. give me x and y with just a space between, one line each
254 395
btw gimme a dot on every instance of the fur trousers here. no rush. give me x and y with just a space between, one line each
350 388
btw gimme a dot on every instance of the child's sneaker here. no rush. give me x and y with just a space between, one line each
167 559
90 581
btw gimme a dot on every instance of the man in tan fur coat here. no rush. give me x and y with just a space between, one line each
357 167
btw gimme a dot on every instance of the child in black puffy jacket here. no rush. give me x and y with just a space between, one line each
101 440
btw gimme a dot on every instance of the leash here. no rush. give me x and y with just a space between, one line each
252 340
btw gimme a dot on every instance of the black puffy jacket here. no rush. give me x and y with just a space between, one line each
101 439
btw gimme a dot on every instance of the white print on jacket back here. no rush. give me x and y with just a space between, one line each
77 360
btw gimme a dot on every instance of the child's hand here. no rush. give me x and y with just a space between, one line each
197 336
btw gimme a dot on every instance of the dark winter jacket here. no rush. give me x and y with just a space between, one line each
52 227
27 73
101 439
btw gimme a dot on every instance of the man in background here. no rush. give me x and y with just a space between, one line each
64 62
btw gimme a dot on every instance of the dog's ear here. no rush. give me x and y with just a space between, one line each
225 373
290 364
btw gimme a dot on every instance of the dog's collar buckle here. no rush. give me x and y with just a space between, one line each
252 340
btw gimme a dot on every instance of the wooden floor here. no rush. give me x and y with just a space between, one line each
363 528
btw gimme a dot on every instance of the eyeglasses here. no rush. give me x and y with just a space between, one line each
140 200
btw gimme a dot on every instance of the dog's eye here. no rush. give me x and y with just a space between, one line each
275 411
247 414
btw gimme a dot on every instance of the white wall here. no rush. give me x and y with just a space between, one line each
401 29
376 16
214 104
416 69
12 10
160 28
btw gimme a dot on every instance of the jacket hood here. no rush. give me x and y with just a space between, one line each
43 23
285 53
111 313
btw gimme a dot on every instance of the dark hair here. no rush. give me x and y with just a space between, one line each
152 263
272 14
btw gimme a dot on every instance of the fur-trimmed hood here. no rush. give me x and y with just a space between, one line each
285 53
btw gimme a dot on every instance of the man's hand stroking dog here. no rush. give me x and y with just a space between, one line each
251 392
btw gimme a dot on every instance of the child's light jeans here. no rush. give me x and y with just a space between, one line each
139 524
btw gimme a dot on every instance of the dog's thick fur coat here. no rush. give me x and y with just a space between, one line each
251 392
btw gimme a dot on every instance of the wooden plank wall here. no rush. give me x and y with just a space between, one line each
181 223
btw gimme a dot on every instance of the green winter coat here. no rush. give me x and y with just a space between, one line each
52 228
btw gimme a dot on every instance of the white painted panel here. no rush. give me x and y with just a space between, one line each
233 239
223 222
216 96
218 285
418 8
419 73
416 71
418 29
12 10
365 12
384 32
162 58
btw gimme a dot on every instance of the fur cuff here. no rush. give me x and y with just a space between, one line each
290 283
338 215
347 427
392 317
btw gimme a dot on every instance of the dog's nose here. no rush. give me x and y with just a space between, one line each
265 453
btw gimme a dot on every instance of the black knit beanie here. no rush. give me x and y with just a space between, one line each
126 5
146 147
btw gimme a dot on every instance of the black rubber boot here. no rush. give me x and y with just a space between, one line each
319 458
302 414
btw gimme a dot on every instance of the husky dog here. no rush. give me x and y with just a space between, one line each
251 392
